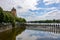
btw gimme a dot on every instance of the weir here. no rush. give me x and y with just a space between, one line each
51 27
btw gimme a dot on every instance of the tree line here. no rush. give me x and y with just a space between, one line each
45 21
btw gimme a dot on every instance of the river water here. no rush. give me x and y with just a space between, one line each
28 33
38 33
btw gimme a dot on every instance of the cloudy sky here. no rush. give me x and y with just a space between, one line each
34 9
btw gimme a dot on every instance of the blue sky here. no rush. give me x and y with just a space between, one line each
34 9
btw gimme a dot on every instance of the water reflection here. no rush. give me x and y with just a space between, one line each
11 34
30 33
37 35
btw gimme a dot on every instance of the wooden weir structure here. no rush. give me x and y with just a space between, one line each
51 27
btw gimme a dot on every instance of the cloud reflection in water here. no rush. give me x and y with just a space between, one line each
37 35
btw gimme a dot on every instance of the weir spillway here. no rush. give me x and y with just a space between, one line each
51 27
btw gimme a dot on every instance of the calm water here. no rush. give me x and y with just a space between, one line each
12 33
37 35
28 33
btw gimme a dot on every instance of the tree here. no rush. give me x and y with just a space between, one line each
1 15
21 20
7 17
1 10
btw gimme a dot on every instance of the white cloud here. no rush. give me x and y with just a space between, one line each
47 2
48 15
55 14
26 4
6 4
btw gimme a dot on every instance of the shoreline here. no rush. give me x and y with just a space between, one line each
5 29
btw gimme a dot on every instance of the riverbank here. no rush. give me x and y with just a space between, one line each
8 26
11 34
5 28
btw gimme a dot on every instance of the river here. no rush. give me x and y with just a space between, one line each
28 33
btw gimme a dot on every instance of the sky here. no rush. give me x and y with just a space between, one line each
34 9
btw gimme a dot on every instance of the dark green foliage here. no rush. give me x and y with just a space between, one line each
21 20
46 21
1 9
1 15
7 17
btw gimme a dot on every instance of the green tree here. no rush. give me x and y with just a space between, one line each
1 15
7 17
1 10
21 20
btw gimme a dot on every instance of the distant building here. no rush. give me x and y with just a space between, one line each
13 11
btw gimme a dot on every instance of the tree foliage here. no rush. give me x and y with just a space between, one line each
7 17
21 20
1 15
46 21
